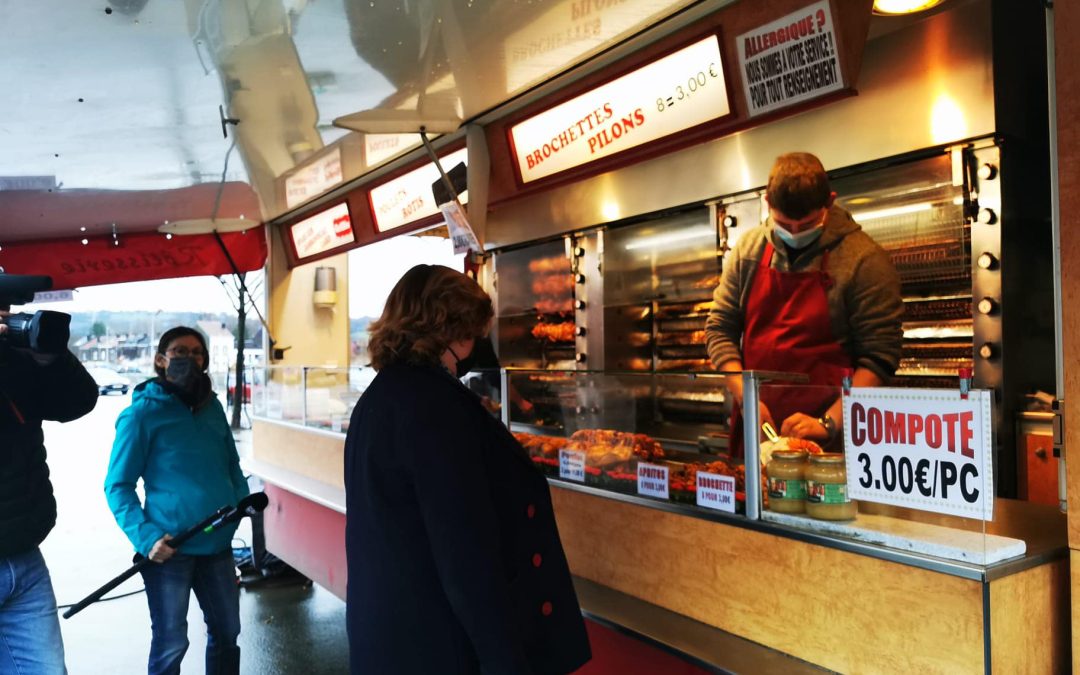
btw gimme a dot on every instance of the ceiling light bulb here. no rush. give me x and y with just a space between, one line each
896 7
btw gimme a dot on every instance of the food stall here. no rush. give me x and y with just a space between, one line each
606 237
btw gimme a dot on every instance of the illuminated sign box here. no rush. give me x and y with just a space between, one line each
323 231
407 198
380 147
314 179
677 92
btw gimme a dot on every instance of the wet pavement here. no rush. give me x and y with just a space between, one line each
288 627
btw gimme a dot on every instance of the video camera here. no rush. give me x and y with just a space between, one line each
43 331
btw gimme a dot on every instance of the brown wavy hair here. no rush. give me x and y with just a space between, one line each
798 185
430 307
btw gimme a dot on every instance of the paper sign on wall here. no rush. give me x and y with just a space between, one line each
461 233
790 60
652 480
925 449
572 465
716 492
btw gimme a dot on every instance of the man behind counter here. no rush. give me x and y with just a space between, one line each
806 292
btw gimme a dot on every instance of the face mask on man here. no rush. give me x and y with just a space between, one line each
183 372
800 240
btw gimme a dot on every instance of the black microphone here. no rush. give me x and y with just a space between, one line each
248 506
251 505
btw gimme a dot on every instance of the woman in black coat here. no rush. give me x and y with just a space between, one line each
454 559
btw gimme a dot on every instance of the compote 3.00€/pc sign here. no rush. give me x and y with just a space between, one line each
925 449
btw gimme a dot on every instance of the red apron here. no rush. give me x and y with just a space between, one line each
788 330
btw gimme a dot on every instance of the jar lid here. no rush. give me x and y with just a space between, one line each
790 455
828 458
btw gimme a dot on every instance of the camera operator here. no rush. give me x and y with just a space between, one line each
33 387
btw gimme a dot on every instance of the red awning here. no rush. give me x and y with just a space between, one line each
44 233
139 257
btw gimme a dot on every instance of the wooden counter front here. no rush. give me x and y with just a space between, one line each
841 610
315 454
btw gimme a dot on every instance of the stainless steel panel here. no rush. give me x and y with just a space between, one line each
927 84
986 283
590 289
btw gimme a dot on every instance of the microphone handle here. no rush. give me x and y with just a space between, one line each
96 595
129 572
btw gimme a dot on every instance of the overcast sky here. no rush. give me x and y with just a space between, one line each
374 269
190 294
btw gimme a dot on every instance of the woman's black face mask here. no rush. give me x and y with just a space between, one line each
463 364
183 372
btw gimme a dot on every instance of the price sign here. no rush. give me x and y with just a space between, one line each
790 60
407 198
323 231
674 93
572 465
652 480
53 296
925 449
715 491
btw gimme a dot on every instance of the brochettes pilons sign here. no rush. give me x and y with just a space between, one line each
925 449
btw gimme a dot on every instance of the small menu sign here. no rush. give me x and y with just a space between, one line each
790 60
572 465
652 480
408 198
323 231
715 491
313 179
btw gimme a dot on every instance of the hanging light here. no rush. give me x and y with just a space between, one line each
897 7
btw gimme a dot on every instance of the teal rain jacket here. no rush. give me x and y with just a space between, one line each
189 467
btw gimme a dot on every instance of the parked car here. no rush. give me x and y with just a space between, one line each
109 381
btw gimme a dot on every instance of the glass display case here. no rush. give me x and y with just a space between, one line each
910 475
907 470
661 436
536 326
316 397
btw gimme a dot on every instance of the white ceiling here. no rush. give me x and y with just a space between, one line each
124 94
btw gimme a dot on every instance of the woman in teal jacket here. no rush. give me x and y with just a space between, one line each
175 437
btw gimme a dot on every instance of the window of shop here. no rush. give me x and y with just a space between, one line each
373 271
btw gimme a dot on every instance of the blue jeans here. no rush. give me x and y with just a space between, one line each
168 590
30 642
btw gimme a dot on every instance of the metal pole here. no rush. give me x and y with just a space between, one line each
504 383
1055 229
438 165
751 449
303 391
241 337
